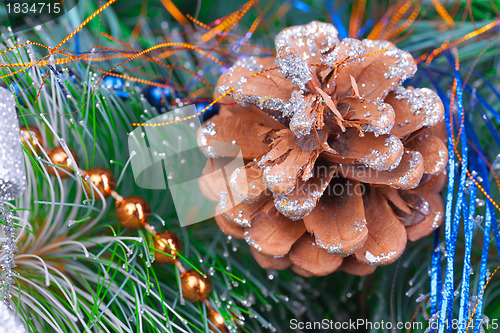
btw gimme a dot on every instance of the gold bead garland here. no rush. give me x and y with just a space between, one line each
133 212
169 243
102 180
25 135
217 321
195 287
59 157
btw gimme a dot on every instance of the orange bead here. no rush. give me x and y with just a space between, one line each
58 156
133 212
216 321
36 134
195 287
169 243
102 179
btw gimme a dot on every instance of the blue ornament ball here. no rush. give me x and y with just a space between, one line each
213 110
158 96
116 83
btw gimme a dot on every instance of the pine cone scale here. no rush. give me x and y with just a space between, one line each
273 234
405 176
338 222
309 257
433 150
386 235
382 153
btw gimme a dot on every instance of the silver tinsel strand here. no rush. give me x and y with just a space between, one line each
12 185
9 248
12 172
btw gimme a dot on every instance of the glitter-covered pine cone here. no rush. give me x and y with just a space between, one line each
342 163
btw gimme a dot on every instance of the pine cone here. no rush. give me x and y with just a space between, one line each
342 163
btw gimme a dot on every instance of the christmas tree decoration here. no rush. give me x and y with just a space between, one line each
334 142
167 245
133 212
12 186
217 322
63 163
195 287
344 151
31 135
12 174
158 96
99 181
210 112
116 83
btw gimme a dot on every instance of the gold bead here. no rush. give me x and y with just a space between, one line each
169 243
133 212
58 156
102 179
195 287
37 135
216 321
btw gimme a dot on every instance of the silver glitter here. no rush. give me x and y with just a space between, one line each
379 160
360 225
384 120
237 217
332 248
440 162
8 250
405 179
422 100
12 173
276 180
353 48
243 222
249 63
12 185
405 66
297 209
302 121
251 242
239 194
207 130
311 33
223 200
296 104
437 217
293 67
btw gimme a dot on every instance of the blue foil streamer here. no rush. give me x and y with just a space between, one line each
365 28
484 172
302 6
478 164
337 20
489 217
451 225
482 271
435 273
463 313
449 194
